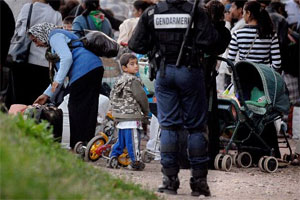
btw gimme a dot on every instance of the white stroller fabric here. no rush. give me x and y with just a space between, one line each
296 124
154 138
103 107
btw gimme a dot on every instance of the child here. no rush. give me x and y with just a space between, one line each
67 23
129 106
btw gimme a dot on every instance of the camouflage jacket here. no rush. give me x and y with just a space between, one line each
128 99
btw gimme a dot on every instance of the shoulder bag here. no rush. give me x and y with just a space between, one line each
20 45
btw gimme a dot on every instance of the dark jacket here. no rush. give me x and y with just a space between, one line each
206 37
289 53
7 29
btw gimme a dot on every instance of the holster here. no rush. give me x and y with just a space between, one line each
154 64
152 69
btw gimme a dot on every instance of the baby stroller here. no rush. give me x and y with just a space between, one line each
262 99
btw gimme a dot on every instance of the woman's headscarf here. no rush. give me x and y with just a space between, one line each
41 31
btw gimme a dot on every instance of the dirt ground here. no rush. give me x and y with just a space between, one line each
250 183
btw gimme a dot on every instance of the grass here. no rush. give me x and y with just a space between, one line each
32 166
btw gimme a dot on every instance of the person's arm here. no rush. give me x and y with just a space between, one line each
48 91
233 48
77 26
123 35
106 28
275 53
140 96
59 44
47 94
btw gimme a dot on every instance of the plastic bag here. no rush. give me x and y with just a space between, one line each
100 44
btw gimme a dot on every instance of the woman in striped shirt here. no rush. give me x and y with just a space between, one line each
256 42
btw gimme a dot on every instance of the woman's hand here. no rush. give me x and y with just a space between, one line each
41 99
54 86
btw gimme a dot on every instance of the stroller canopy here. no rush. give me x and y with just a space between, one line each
267 80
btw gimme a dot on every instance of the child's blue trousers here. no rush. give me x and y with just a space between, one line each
129 139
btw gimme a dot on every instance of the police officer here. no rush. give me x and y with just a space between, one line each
180 90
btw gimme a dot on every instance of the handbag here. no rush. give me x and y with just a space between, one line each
20 45
49 113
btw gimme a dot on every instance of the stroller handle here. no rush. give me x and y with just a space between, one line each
229 62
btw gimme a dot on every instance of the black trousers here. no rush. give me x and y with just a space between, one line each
27 82
83 106
212 114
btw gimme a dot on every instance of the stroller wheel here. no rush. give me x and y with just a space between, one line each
270 164
234 159
244 160
289 157
91 153
78 148
285 157
146 158
113 162
261 163
218 161
226 163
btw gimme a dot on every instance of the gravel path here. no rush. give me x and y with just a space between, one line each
239 183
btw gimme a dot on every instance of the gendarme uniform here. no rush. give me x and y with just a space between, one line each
180 91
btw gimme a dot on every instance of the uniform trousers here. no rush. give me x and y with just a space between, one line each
181 102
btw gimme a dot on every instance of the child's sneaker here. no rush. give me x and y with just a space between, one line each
137 166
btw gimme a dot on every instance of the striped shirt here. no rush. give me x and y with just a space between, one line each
264 51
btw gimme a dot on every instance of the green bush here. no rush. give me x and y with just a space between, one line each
32 166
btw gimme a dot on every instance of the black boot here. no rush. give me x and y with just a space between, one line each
199 187
170 185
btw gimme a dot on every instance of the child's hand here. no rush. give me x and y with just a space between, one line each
144 126
145 120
